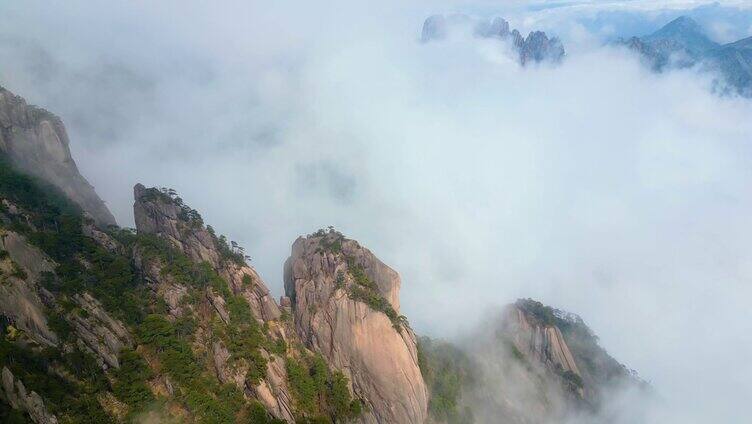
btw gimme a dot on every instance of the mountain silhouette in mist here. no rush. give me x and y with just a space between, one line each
683 43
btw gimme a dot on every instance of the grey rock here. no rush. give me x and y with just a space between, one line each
15 393
98 332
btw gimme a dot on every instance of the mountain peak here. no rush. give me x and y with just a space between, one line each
686 33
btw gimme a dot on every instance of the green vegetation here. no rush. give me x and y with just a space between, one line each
72 384
170 196
365 290
204 396
130 381
331 240
72 400
448 372
543 314
56 226
8 415
245 338
321 396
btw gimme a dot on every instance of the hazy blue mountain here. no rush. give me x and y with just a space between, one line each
734 62
683 43
536 47
684 33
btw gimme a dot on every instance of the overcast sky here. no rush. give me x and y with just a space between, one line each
594 186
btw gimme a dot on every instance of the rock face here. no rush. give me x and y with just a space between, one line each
157 213
20 298
35 141
345 304
565 346
540 342
98 332
536 48
15 393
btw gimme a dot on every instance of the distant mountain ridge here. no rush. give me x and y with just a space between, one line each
536 47
683 43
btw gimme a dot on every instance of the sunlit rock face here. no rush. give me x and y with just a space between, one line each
35 141
537 47
345 303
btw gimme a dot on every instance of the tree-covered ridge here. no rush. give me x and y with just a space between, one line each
448 372
191 220
321 395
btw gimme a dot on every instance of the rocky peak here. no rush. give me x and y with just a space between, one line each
35 141
345 302
162 213
537 47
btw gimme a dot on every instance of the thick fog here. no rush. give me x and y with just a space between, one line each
595 186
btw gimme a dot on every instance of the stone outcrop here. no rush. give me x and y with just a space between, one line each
535 48
15 393
377 352
35 141
158 214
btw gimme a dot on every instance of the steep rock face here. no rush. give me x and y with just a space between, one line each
336 287
15 393
36 142
158 214
535 48
20 299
